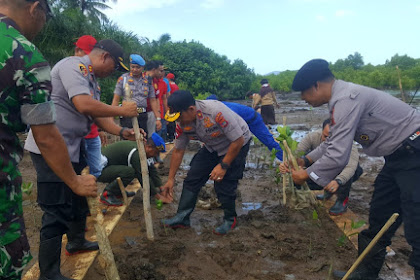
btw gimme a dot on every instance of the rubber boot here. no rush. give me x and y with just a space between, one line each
325 196
128 193
77 242
229 220
49 259
417 274
110 199
339 207
185 208
371 265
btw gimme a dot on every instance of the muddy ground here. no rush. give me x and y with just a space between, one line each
270 242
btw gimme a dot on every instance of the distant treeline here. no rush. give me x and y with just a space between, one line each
196 67
354 70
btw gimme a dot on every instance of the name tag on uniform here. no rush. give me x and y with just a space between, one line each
314 176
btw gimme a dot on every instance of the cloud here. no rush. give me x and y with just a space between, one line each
123 7
212 4
343 13
321 18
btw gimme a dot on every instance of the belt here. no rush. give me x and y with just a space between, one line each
141 110
409 146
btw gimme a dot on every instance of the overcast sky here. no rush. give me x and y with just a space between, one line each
277 35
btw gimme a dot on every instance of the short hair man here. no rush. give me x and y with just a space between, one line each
123 161
24 98
226 143
76 95
141 86
384 126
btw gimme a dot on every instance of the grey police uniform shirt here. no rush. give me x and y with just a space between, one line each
216 126
70 77
375 119
142 88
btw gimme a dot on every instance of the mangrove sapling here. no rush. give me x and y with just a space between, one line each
342 240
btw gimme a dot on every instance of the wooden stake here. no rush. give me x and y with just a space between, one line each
122 189
106 258
297 167
284 175
144 171
372 243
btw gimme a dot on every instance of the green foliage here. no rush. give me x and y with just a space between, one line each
27 188
342 240
285 133
315 215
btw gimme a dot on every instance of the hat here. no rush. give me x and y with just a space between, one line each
264 81
137 59
115 50
311 72
179 101
159 143
170 76
86 43
212 97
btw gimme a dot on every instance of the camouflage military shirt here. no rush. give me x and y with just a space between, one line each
24 100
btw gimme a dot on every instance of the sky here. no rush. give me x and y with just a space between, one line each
278 35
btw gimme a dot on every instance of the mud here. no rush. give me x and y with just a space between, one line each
270 241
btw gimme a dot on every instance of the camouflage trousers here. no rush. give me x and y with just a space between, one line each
14 256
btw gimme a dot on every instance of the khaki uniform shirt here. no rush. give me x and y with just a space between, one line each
216 126
142 88
313 139
375 119
70 77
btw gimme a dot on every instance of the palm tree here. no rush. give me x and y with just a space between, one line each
90 8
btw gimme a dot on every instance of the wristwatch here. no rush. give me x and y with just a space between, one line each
340 183
158 119
224 165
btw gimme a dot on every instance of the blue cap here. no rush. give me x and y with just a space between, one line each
137 59
159 143
212 97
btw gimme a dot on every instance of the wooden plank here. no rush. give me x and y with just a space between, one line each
76 266
346 218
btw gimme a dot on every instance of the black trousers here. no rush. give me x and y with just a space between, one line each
60 205
397 190
141 118
203 163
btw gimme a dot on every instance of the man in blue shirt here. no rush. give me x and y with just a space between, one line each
255 124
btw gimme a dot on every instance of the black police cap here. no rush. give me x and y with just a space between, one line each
180 101
311 72
115 50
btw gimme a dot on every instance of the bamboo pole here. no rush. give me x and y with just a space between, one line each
122 189
372 243
297 167
106 258
284 175
144 171
400 84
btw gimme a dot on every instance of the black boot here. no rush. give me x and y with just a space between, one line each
49 259
339 207
229 220
371 265
185 208
76 239
110 199
325 196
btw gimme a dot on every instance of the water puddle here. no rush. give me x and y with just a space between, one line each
251 205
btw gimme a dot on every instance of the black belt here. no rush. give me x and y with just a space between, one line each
410 145
141 110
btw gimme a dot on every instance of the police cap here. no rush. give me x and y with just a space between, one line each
137 59
159 143
311 72
178 102
115 50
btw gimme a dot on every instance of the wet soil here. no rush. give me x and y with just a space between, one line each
270 241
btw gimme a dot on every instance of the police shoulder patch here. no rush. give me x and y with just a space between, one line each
83 70
220 119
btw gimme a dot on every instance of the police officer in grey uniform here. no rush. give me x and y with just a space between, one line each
384 126
222 158
141 86
76 98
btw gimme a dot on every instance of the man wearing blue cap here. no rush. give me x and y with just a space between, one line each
142 89
256 125
123 161
384 126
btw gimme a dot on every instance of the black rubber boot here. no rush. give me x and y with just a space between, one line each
417 274
128 193
325 196
49 259
77 242
229 220
339 207
185 208
371 265
110 199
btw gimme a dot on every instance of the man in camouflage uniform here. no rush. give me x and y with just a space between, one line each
24 100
